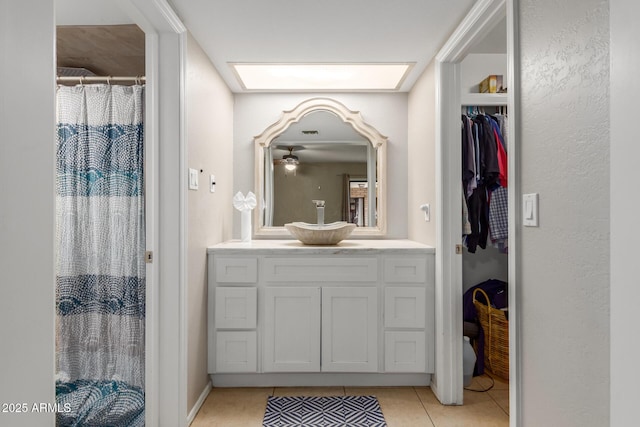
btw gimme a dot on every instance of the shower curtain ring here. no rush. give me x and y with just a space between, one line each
109 80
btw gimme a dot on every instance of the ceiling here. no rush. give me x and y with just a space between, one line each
97 35
336 141
92 47
328 31
301 31
339 131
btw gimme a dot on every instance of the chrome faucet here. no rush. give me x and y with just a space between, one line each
320 207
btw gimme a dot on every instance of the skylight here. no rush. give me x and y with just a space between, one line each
321 76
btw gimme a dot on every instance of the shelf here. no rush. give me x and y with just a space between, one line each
484 99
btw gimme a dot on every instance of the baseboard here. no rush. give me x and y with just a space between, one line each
320 380
199 403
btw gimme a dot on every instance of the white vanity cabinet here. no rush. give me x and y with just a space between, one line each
359 313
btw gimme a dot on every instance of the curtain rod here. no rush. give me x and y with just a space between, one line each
91 79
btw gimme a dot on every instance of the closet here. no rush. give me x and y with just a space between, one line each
484 181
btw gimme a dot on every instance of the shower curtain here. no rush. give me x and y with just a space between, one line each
100 278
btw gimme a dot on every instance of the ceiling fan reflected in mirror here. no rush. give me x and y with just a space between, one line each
290 161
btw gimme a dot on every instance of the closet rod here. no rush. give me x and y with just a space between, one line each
93 79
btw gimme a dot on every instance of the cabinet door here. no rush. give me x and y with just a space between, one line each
404 351
291 330
236 351
349 329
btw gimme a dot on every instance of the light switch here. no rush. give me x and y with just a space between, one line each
530 210
212 183
193 179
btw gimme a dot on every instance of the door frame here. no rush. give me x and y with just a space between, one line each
448 381
165 169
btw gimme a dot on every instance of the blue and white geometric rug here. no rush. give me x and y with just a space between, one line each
327 411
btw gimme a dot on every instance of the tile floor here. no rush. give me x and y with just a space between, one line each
401 406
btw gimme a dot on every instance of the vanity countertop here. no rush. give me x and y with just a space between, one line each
344 247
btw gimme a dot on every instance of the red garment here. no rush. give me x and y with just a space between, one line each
502 161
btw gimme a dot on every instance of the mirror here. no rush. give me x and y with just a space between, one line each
320 150
319 158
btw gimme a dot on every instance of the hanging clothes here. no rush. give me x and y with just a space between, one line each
490 169
478 208
484 180
468 157
501 153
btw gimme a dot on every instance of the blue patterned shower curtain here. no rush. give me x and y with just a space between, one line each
100 281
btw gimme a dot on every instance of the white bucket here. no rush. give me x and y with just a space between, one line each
469 361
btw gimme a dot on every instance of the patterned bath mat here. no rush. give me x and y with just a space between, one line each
331 411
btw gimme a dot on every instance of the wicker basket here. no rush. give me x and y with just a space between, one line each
495 325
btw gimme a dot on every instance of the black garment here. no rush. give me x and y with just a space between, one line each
478 207
468 160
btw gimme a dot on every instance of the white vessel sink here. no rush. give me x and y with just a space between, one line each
315 234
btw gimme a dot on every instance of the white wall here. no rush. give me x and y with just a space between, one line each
484 264
625 151
387 113
90 12
421 167
27 141
209 122
475 67
565 261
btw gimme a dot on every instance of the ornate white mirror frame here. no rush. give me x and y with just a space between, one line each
353 118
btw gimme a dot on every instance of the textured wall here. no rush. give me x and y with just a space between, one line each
209 119
565 262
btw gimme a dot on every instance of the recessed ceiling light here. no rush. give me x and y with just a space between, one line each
321 76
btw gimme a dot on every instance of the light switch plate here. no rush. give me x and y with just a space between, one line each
212 183
530 210
193 179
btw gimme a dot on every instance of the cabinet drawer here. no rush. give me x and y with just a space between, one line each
236 270
404 351
236 351
404 307
236 308
405 270
330 269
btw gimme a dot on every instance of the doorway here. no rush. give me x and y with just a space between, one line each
101 232
480 21
165 378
